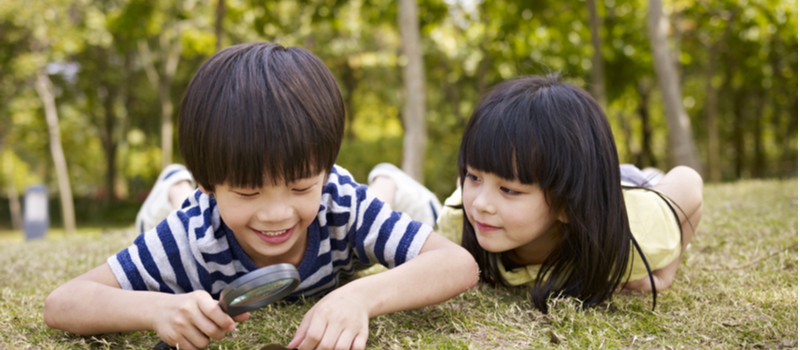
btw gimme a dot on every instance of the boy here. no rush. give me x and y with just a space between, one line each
260 127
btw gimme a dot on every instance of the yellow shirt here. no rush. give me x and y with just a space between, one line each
650 218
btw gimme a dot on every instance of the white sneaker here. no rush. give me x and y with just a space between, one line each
411 197
653 176
157 206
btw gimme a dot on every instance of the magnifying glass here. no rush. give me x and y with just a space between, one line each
254 290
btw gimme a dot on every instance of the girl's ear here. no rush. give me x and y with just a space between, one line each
563 217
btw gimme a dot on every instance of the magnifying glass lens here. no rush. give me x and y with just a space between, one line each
262 292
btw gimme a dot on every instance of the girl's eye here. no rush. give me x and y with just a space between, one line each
247 195
471 177
508 191
302 190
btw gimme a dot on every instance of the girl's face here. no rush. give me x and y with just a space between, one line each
510 216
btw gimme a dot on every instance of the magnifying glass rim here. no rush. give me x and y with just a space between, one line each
255 279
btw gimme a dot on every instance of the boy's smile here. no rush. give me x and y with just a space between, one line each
271 222
275 237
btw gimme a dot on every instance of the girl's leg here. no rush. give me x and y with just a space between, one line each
179 192
404 194
384 188
684 187
173 185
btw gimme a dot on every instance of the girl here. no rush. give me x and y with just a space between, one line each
544 204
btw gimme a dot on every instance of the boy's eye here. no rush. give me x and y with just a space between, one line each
471 177
302 190
247 194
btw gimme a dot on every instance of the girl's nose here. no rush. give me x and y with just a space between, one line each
483 203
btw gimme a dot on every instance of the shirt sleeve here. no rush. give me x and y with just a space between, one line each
377 234
158 260
451 218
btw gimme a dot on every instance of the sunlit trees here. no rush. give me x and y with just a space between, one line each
414 123
118 69
681 141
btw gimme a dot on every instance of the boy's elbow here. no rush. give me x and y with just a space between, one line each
468 268
50 306
56 308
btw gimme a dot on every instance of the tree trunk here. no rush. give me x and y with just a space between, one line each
788 160
714 173
486 62
647 156
598 70
166 124
415 138
108 123
627 133
44 88
350 83
738 132
759 161
480 73
8 166
712 105
170 55
681 141
677 35
218 30
13 195
451 91
109 143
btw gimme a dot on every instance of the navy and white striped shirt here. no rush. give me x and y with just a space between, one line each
193 249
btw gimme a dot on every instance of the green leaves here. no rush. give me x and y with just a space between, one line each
467 48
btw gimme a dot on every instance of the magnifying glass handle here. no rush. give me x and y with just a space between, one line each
163 346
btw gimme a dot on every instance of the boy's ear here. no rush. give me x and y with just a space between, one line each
203 189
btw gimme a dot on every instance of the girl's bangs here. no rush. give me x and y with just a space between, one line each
499 140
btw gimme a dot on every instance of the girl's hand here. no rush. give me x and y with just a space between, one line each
339 321
188 321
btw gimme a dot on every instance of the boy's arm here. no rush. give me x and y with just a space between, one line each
441 271
94 303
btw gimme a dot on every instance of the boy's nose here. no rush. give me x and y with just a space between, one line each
274 212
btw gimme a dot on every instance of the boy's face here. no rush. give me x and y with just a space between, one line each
271 222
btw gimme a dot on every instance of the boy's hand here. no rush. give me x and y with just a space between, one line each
190 320
339 321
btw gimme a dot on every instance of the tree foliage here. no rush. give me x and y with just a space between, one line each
737 69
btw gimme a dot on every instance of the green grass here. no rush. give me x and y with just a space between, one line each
736 288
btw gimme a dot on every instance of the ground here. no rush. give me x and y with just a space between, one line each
736 288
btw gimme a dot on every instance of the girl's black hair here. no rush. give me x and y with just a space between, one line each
540 131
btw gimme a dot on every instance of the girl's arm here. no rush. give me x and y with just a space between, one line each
94 303
684 187
441 271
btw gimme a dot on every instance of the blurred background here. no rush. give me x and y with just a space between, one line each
89 89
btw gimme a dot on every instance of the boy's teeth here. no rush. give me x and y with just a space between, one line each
272 233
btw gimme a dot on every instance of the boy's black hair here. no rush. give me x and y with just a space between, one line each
260 111
538 130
